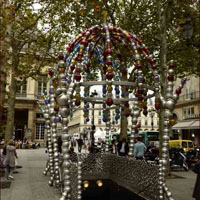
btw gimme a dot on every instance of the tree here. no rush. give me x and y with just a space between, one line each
28 45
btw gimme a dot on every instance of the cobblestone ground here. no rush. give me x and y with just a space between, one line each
31 184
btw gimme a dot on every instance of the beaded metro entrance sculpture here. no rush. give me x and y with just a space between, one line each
115 60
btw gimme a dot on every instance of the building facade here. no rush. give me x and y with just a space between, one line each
29 121
78 124
187 111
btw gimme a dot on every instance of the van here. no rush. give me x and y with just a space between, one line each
186 145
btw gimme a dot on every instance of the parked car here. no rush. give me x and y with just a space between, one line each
186 145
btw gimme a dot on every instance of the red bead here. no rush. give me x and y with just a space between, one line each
77 102
140 91
139 126
78 70
109 62
114 29
51 73
145 107
108 52
104 68
127 114
108 45
83 42
140 98
79 59
109 102
138 66
151 61
157 106
109 76
145 49
178 91
136 94
88 64
170 78
60 57
153 67
171 66
145 112
77 77
72 67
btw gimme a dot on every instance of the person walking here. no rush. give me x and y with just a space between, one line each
113 147
80 144
196 192
9 161
122 147
139 149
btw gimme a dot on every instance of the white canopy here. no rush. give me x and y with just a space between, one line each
99 134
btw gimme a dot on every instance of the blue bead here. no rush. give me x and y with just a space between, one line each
104 90
104 120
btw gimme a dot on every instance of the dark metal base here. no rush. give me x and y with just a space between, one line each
109 191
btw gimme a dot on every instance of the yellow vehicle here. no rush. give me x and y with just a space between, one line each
186 145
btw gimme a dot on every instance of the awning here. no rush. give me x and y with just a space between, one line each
183 125
195 125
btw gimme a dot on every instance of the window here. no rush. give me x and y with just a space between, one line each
187 89
99 112
146 122
188 112
39 132
139 121
42 85
190 144
99 121
184 144
21 89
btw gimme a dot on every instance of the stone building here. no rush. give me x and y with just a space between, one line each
187 111
78 125
29 121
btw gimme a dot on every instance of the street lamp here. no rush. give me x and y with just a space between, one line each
151 113
93 94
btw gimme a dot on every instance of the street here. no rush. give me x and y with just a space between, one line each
31 184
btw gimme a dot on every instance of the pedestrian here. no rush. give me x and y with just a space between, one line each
139 149
80 144
9 161
196 192
113 147
122 147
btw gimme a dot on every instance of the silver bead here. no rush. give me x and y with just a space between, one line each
62 100
170 104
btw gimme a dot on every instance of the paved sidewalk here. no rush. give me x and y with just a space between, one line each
182 186
31 184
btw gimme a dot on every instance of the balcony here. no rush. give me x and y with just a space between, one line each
188 98
21 95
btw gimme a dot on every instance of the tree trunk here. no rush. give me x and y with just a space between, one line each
10 110
124 124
